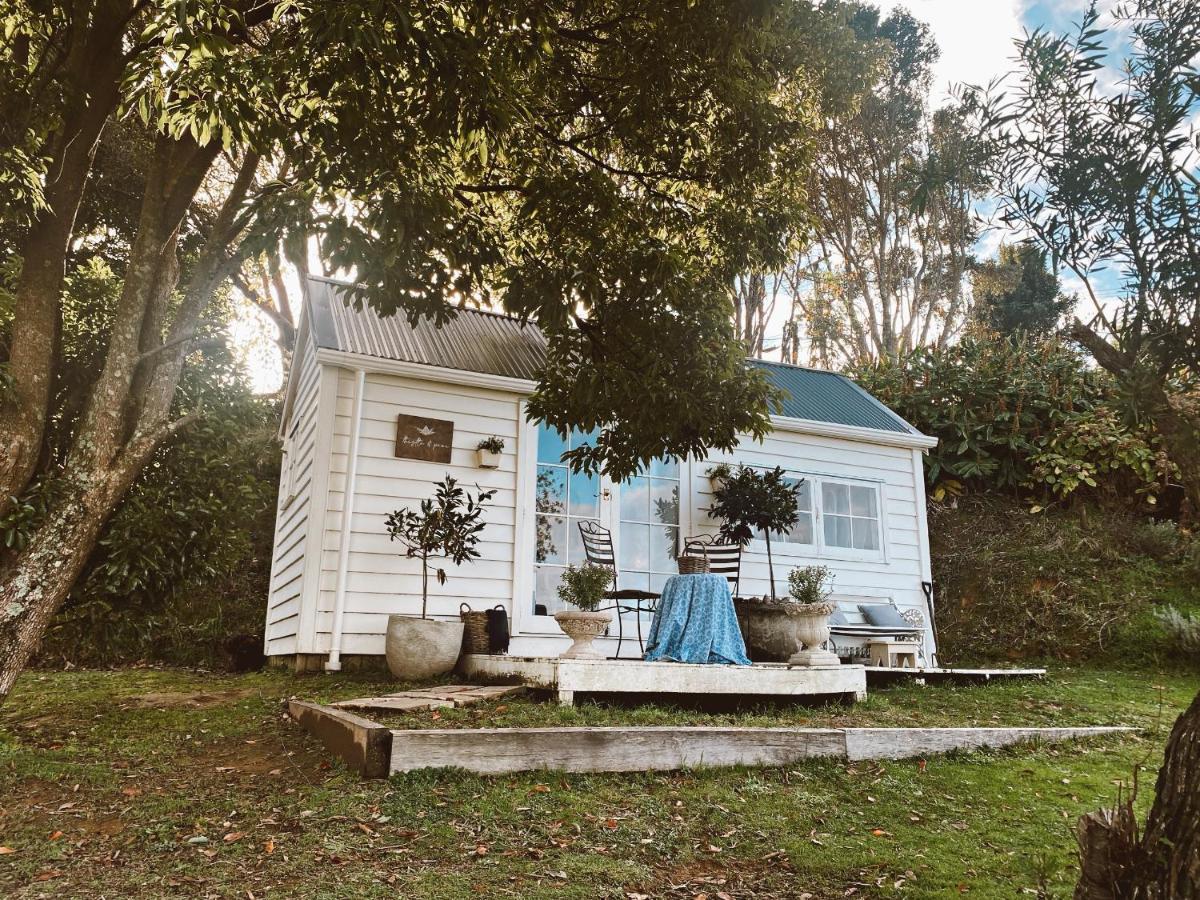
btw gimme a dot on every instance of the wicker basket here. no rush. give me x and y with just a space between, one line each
693 561
475 632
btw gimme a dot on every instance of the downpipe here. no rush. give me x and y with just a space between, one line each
334 663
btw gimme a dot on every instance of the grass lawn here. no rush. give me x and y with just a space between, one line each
164 783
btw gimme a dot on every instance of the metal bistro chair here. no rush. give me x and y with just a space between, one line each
598 546
723 559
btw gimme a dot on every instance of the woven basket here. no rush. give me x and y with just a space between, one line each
693 561
475 633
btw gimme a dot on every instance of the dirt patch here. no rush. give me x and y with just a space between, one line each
189 699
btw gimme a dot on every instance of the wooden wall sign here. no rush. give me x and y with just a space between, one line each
427 439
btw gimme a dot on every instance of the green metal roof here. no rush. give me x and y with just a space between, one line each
829 397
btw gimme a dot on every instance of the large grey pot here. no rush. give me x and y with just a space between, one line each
421 648
770 633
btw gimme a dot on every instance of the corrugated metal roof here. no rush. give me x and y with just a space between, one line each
473 341
477 341
829 397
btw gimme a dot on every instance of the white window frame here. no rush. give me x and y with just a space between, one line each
819 549
287 466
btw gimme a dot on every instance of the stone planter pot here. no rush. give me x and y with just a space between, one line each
582 627
421 648
489 459
812 625
784 631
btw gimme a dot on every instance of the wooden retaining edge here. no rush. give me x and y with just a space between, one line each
361 744
620 749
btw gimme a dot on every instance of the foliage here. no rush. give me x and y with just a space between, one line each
447 526
1107 179
1017 294
584 586
492 444
893 190
1019 413
1067 583
809 584
1182 630
748 500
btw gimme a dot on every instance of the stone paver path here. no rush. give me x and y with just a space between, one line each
449 695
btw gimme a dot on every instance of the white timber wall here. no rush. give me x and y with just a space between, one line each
380 580
298 471
902 565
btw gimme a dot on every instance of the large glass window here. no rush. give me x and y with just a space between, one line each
802 532
562 499
851 515
649 529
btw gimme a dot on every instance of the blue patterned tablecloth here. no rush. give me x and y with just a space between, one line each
695 623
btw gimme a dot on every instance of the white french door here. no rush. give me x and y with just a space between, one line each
643 515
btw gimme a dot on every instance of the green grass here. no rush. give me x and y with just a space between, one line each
108 780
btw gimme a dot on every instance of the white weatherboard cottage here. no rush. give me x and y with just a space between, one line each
370 399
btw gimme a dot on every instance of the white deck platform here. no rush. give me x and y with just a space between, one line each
885 674
567 677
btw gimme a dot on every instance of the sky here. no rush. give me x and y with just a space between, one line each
976 40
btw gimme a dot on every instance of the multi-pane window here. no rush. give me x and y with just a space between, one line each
848 514
648 542
562 499
851 515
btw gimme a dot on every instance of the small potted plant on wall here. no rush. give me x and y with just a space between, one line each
583 588
489 452
807 587
444 527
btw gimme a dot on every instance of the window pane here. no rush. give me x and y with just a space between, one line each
866 534
835 498
804 497
545 589
635 500
862 501
551 539
664 501
802 531
579 438
663 540
550 446
551 489
634 581
658 580
585 495
665 468
576 554
837 531
635 546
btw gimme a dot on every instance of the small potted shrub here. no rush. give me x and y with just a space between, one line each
584 588
444 527
812 609
489 452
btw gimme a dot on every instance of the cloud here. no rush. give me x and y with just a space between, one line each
976 38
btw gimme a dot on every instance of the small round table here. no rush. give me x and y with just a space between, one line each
695 623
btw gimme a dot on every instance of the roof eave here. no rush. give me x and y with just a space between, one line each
909 439
424 371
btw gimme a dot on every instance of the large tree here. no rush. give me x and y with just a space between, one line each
892 197
1105 177
607 168
1017 293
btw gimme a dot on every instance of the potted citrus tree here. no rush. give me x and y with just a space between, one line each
583 588
446 526
809 592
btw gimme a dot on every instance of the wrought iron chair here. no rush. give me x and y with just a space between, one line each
598 547
723 559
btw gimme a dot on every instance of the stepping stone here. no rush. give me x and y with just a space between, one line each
454 695
398 703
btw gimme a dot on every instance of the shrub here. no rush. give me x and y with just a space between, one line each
1182 631
584 586
807 584
1022 414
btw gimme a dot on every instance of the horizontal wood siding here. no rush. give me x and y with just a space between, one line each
896 574
286 591
380 581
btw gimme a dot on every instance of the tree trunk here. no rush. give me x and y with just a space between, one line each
1164 864
1172 837
40 578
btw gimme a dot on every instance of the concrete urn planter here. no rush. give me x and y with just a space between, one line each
783 631
812 626
582 627
421 648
